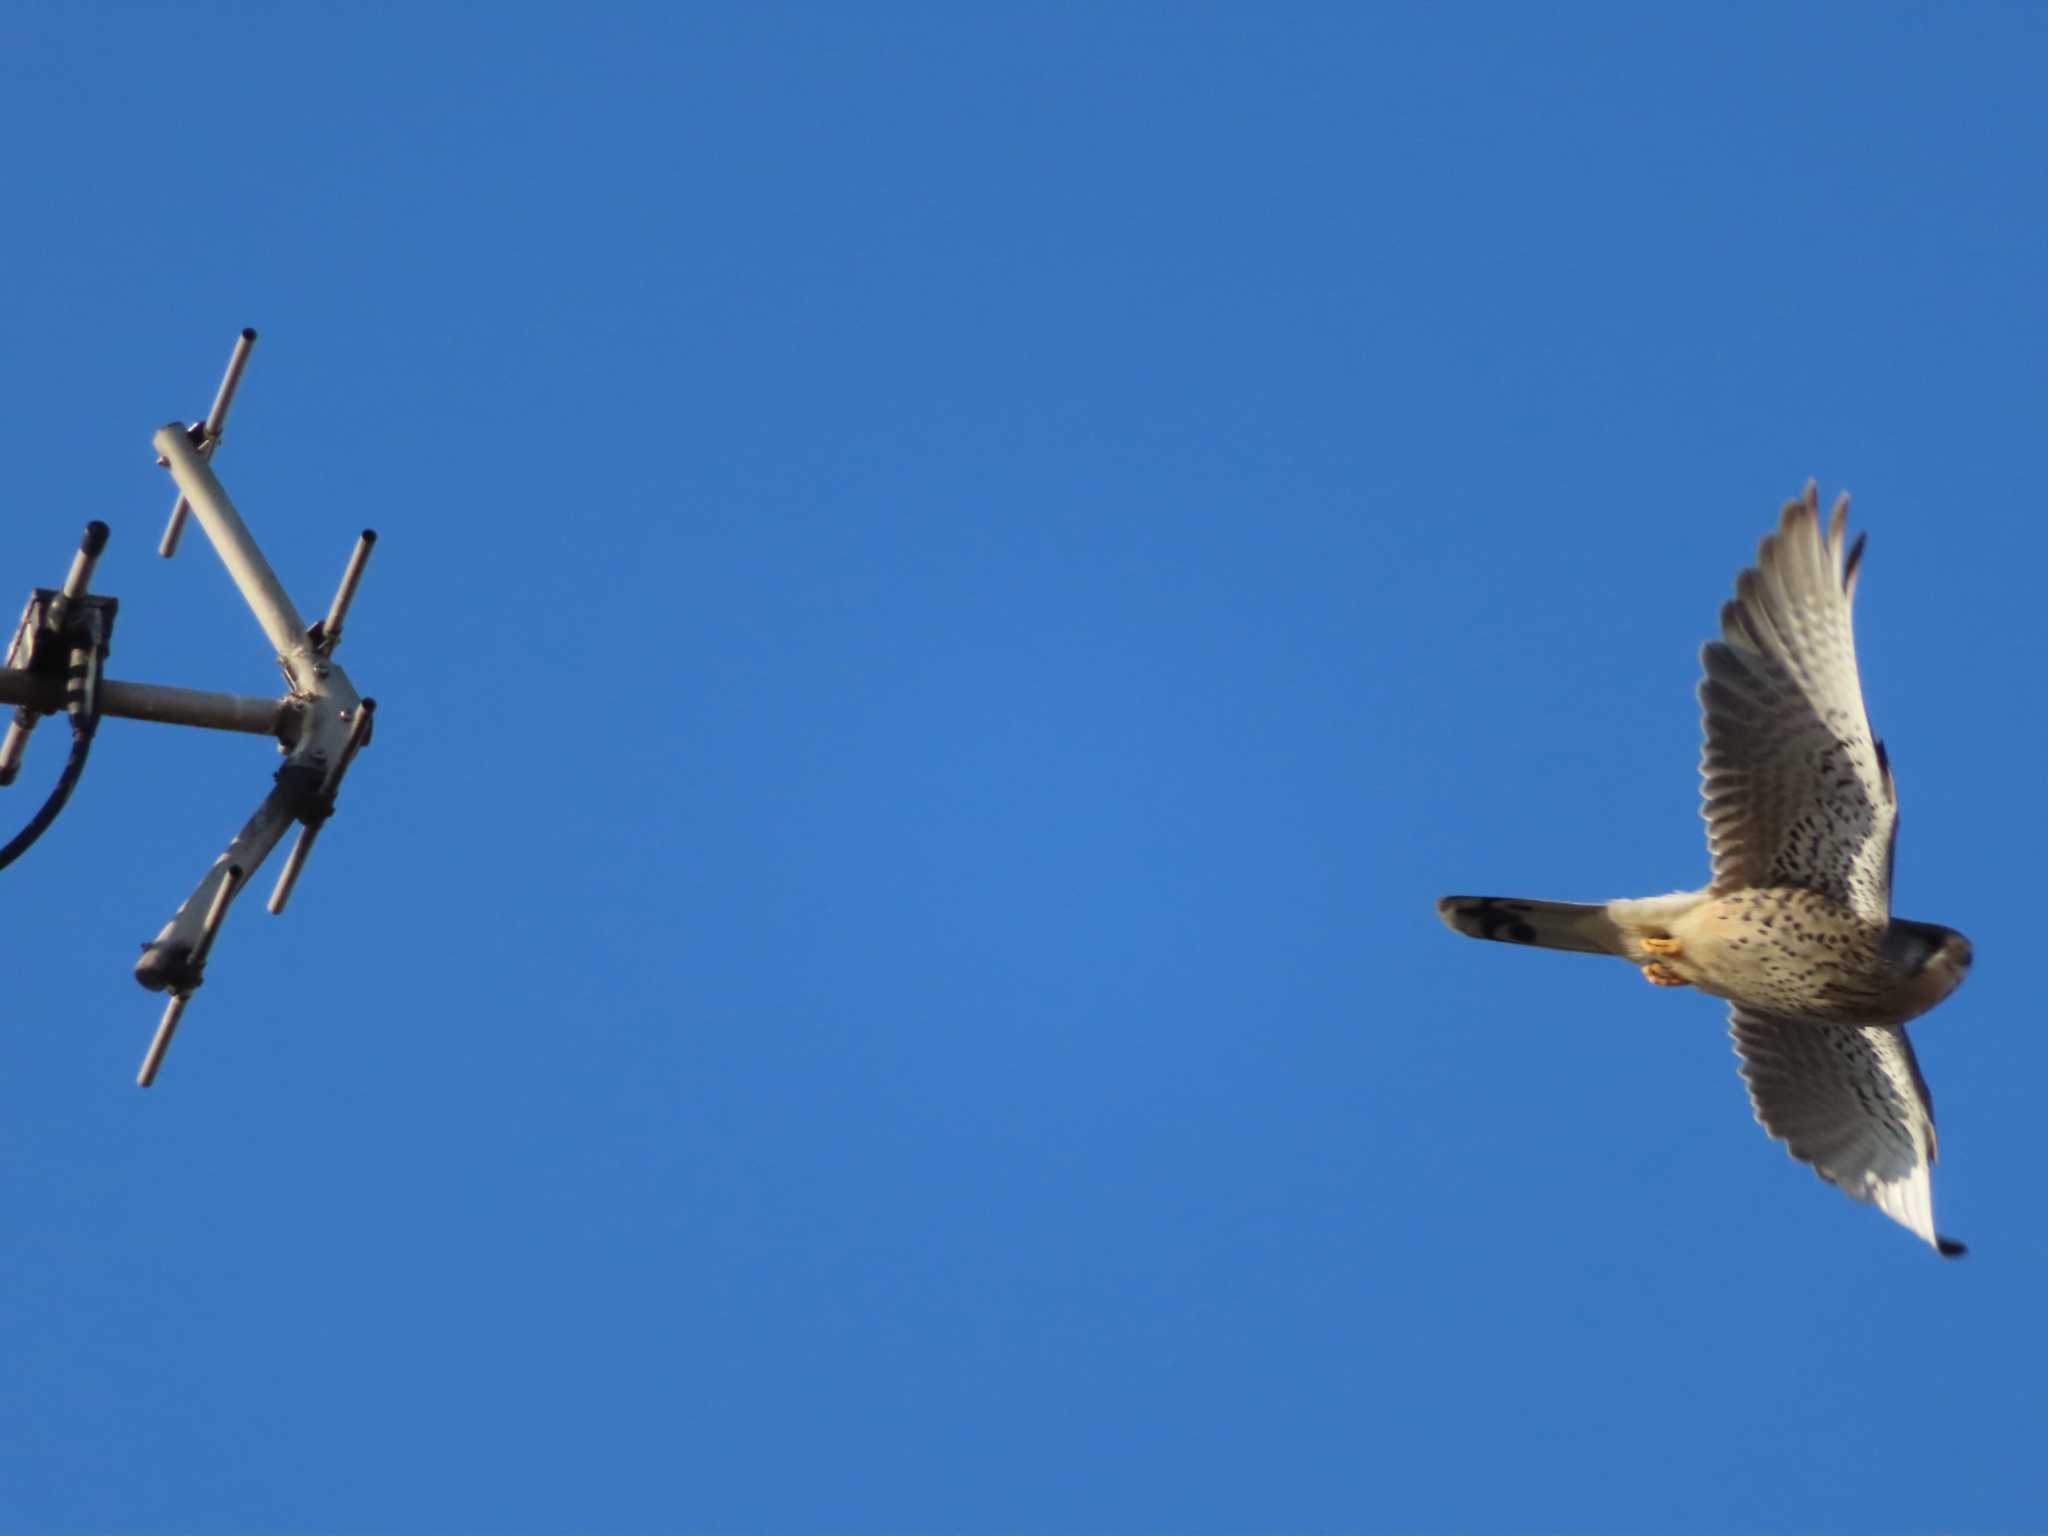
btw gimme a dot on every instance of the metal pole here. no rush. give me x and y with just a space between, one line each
152 701
12 745
175 1009
261 589
90 548
215 424
294 866
217 418
169 960
337 611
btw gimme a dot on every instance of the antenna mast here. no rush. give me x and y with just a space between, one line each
320 723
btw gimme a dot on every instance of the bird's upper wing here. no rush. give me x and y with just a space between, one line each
1848 1099
1797 788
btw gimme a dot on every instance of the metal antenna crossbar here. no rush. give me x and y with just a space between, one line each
321 722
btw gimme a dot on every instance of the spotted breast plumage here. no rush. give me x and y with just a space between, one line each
1794 929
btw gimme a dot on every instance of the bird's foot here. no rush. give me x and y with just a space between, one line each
1665 947
1659 975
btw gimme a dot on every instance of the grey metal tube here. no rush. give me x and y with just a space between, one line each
216 423
261 589
337 611
217 418
187 936
174 1010
294 866
153 1060
90 548
151 701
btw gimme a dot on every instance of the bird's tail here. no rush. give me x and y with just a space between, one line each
1580 926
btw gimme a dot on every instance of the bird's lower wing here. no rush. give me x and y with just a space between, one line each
1848 1099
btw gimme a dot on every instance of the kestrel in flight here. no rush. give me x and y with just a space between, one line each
1795 928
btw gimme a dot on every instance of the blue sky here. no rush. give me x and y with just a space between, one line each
955 581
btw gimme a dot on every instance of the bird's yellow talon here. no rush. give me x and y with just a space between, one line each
1661 946
1658 975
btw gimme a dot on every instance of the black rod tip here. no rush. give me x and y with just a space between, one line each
95 538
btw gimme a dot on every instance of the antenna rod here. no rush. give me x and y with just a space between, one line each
152 701
217 418
216 423
261 589
90 548
168 960
337 611
174 1010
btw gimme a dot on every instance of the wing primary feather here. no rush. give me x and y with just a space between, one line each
1794 789
1850 1102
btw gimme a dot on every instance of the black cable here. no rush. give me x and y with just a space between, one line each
82 703
81 744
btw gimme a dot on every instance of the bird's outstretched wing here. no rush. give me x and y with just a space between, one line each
1797 790
1849 1100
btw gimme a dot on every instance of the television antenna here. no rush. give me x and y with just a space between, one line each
54 666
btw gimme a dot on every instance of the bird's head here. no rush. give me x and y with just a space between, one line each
1932 959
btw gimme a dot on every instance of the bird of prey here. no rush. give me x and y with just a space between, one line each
1794 929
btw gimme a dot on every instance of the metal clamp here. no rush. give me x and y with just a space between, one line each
56 626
